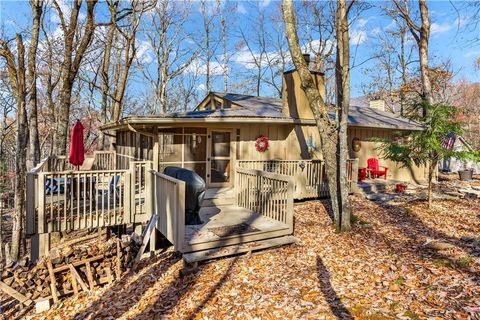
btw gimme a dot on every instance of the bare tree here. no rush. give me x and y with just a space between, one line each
256 45
331 131
37 8
388 77
167 37
421 33
16 72
208 44
74 51
128 32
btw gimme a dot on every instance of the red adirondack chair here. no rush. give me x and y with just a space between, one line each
375 169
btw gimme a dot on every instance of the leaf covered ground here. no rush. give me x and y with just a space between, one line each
382 269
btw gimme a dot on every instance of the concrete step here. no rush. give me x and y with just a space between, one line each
368 188
203 255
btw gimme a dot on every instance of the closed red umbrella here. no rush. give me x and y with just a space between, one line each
77 150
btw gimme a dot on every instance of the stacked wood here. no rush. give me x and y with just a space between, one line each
70 269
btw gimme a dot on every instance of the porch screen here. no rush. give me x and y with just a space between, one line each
184 147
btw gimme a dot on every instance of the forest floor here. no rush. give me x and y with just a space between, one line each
385 267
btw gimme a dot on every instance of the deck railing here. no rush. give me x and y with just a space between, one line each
309 176
104 160
169 205
266 193
72 200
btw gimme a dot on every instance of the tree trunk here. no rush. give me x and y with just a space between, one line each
21 153
342 76
327 128
423 54
37 8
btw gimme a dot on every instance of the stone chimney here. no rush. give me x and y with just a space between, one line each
378 104
295 102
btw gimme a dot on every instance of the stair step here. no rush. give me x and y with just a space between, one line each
203 255
217 202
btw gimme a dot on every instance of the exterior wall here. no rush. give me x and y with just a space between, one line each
368 150
286 142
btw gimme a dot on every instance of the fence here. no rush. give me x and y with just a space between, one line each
266 193
309 176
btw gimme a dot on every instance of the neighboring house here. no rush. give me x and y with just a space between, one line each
224 128
455 164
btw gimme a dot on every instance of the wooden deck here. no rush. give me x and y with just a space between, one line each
230 224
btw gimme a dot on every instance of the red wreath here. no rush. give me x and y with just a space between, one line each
261 144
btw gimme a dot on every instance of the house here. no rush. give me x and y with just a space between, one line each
458 143
256 155
224 127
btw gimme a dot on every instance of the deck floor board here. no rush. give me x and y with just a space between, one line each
228 217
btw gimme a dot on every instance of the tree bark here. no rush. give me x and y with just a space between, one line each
37 8
342 77
327 128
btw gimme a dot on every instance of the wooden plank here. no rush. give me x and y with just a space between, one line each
88 269
15 294
146 236
78 263
73 278
78 278
236 249
118 270
53 282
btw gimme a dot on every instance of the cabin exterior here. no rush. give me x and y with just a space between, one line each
256 155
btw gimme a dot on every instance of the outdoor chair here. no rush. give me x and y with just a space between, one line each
113 189
375 169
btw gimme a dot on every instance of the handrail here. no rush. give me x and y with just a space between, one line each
265 193
310 179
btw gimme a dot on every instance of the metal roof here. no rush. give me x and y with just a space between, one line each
260 109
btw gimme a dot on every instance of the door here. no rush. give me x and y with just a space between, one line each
219 160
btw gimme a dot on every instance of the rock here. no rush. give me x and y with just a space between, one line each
42 305
476 244
467 239
55 256
438 245
23 262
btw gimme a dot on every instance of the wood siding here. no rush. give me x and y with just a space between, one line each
368 150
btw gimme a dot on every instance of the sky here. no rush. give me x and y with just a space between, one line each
450 40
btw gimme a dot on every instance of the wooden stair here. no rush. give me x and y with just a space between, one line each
197 256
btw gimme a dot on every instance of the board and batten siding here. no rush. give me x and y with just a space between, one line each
369 150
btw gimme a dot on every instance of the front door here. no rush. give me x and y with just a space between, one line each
220 151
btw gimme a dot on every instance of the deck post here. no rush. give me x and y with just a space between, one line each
133 190
30 205
40 246
180 213
127 206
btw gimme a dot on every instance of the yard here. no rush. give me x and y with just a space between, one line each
386 267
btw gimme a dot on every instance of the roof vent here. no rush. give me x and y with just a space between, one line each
377 104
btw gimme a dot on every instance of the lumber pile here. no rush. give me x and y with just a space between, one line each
70 270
